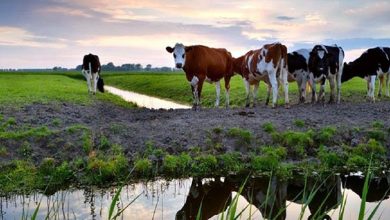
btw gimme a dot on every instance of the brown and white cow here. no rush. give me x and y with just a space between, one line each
202 63
268 64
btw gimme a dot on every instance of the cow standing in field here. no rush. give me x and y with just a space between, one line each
91 70
372 63
326 62
298 70
268 64
202 63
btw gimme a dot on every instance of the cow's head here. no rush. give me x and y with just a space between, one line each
179 54
319 61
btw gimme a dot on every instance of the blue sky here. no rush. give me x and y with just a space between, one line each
47 33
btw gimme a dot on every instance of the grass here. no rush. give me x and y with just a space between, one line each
174 86
20 89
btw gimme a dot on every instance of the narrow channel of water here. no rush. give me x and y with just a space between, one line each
181 199
144 100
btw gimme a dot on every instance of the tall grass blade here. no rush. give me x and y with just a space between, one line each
34 216
113 203
364 193
343 204
199 214
377 205
233 207
122 210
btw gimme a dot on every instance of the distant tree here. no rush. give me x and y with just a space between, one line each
138 66
148 67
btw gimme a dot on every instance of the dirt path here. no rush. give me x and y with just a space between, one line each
177 130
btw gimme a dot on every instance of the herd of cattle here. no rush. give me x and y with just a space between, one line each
271 64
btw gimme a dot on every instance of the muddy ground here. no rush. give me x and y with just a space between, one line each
175 130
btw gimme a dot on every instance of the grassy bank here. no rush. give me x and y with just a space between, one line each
19 89
174 86
57 155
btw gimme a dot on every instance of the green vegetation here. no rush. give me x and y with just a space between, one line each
268 127
21 89
243 136
299 123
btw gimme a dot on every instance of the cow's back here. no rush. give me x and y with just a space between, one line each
93 60
214 62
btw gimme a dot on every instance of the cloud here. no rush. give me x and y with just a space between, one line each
285 18
12 36
68 11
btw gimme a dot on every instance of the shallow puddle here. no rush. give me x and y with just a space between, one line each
181 199
144 100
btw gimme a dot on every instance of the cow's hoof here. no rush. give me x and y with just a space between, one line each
287 106
247 105
379 95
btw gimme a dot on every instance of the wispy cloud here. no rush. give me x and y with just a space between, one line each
11 36
65 11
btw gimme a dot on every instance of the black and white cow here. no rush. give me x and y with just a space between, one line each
298 68
372 63
326 62
91 71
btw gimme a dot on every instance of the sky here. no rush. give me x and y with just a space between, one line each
48 33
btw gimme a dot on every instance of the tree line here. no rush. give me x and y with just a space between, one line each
136 67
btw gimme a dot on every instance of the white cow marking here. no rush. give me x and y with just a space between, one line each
321 54
194 81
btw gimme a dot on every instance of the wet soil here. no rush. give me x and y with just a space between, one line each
176 130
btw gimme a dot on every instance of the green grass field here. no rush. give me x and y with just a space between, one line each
18 89
175 87
25 88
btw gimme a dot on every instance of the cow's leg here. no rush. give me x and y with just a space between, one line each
321 95
339 86
200 86
269 88
331 79
284 77
312 84
274 85
194 86
381 81
95 77
372 88
247 92
227 88
255 90
87 75
218 91
387 83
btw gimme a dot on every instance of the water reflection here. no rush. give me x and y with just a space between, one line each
144 100
262 197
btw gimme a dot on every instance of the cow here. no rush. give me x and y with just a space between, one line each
372 63
326 62
212 198
268 64
299 71
202 63
91 71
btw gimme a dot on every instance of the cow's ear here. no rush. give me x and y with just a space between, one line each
169 49
188 49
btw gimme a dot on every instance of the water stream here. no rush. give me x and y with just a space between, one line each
181 199
144 100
